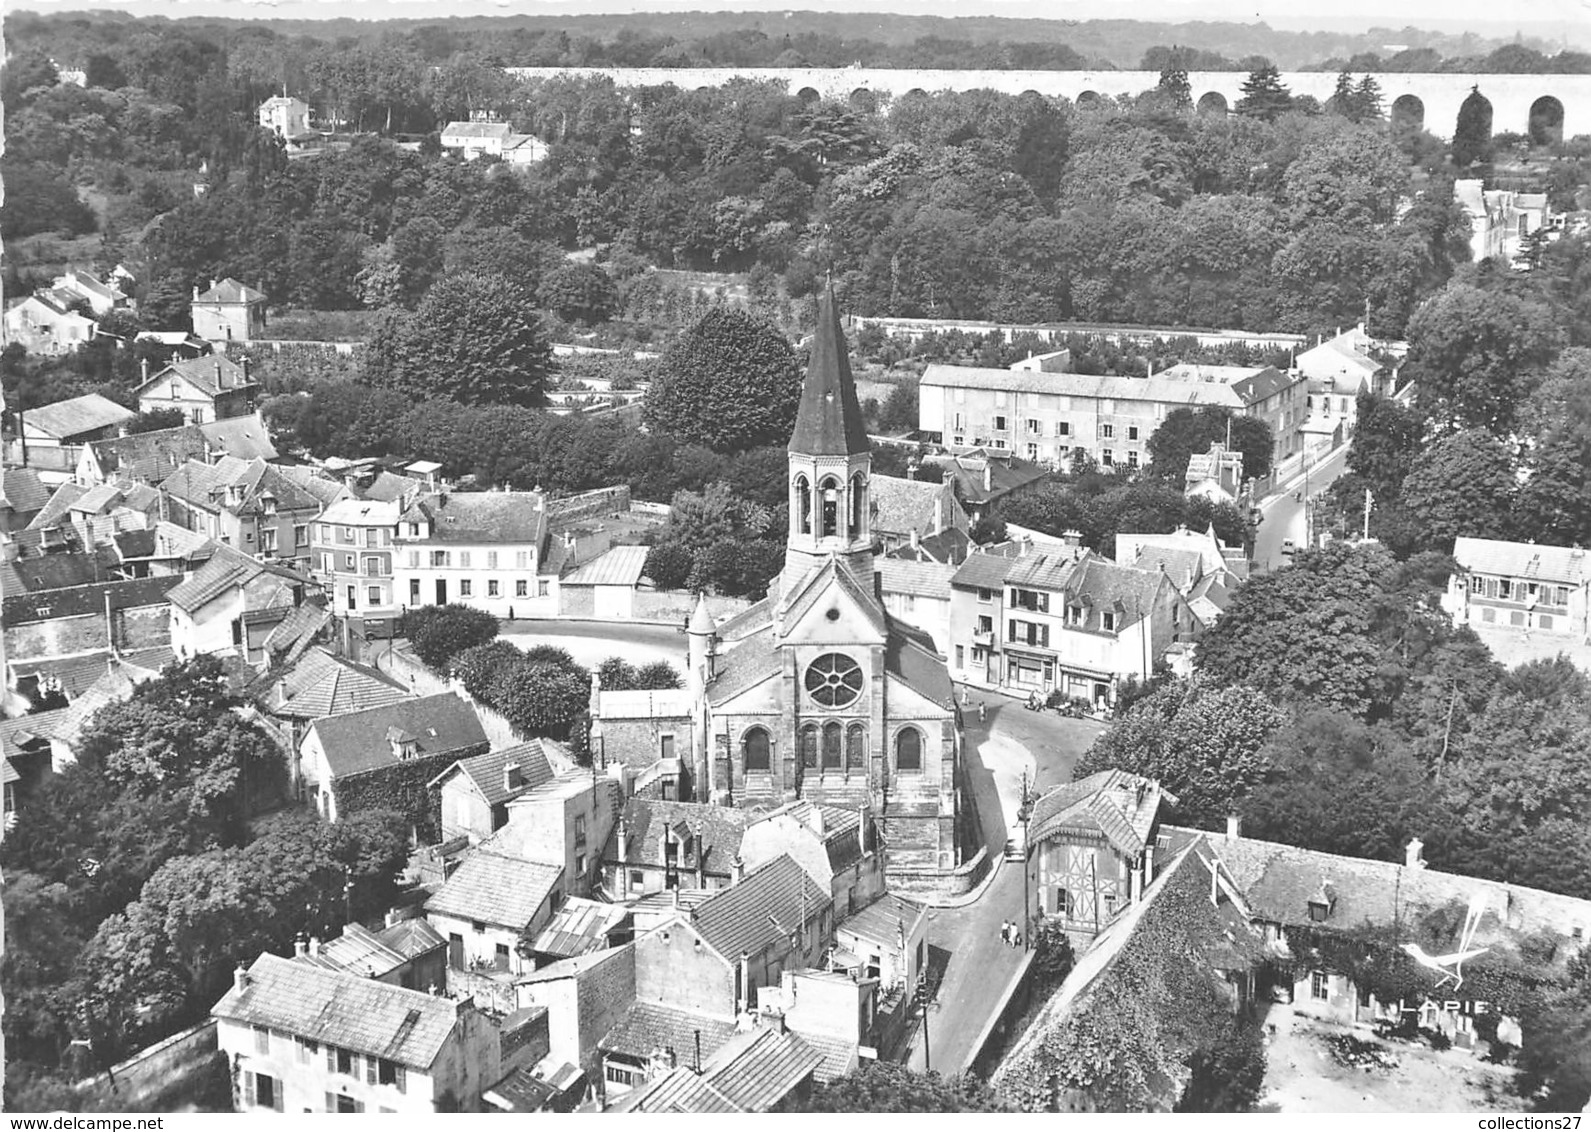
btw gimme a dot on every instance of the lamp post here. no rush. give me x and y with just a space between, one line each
1025 812
924 997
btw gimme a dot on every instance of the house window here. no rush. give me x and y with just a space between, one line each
464 560
492 587
373 595
1035 427
1319 986
1107 457
1132 458
522 559
308 1051
756 748
491 559
301 534
637 879
414 591
1505 588
339 1102
500 957
391 1073
1560 595
349 564
580 864
370 537
466 588
521 587
961 656
439 558
999 424
325 532
477 926
373 567
1107 621
985 595
353 597
343 1061
618 1075
262 1040
1132 432
580 831
541 588
1033 451
347 535
809 746
414 559
1062 428
909 750
1107 432
260 1091
414 530
856 748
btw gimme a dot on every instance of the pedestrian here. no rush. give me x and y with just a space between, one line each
1016 937
982 708
1005 932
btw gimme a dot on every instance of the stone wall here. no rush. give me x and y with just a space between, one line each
161 1069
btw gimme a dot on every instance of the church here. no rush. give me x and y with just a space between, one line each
816 692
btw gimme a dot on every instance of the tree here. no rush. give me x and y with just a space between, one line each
1053 957
474 338
886 1086
1264 95
668 565
154 420
1555 1046
438 633
1174 88
1204 744
578 292
541 698
1386 441
479 666
1189 432
1554 504
1464 484
730 382
1476 355
1472 135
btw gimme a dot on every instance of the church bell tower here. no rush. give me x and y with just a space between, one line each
829 464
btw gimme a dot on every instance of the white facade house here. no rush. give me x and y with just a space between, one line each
41 324
481 549
284 116
473 139
1338 370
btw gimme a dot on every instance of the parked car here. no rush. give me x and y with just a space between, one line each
1288 549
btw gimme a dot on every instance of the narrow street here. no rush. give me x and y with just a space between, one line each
1284 511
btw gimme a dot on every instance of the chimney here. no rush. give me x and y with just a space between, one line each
196 292
701 859
916 537
939 512
300 946
240 979
1234 827
697 1065
1414 856
745 981
861 826
220 375
246 371
143 368
737 870
314 946
988 474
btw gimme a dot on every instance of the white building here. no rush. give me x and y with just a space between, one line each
481 549
472 139
1338 370
285 117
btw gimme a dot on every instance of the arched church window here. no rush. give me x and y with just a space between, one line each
756 746
858 504
809 745
803 505
909 750
833 738
834 680
829 490
856 748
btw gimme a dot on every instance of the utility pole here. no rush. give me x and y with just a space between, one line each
923 999
1027 856
1369 503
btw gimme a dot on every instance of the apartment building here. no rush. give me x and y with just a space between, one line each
1051 418
246 504
351 551
1070 622
481 549
1522 585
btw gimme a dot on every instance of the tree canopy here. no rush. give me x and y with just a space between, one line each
730 382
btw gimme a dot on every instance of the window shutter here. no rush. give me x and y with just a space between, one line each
331 1102
359 1106
279 1097
248 1089
400 1077
331 1065
370 1071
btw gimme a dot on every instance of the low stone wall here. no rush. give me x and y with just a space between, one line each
934 887
676 606
161 1069
604 501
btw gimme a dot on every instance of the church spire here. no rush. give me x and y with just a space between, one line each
829 421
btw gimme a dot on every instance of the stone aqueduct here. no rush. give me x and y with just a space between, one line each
1431 99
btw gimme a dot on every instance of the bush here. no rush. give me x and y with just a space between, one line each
438 633
669 566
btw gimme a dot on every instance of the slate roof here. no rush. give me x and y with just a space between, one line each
344 1010
25 491
722 830
229 290
76 415
486 771
1533 561
1160 387
207 486
1278 881
909 653
513 517
983 572
1141 549
57 508
580 927
619 566
56 571
323 488
388 487
321 684
883 921
752 1072
901 505
77 601
150 455
245 437
737 919
1109 802
25 730
504 891
225 571
477 130
829 417
649 1026
1005 472
211 374
813 588
951 546
357 741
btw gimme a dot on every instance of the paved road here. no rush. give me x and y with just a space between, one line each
592 642
1284 514
979 964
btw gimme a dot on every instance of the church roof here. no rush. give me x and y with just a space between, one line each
829 420
811 589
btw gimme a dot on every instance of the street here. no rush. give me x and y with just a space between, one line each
1284 512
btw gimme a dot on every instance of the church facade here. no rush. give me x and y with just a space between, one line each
817 692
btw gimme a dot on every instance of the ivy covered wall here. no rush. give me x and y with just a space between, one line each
403 787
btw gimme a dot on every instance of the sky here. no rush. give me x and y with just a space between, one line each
1486 17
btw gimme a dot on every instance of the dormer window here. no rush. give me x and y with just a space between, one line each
1322 903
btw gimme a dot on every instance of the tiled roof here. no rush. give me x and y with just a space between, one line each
229 290
226 570
619 566
1533 561
344 1010
754 659
57 571
512 517
901 505
950 546
580 927
357 741
884 920
477 130
504 891
78 601
1279 880
1121 806
321 684
362 513
150 456
742 917
296 631
659 703
910 654
25 491
580 965
26 730
360 951
1140 549
749 620
116 684
983 572
77 415
58 506
411 938
487 771
829 417
721 828
322 487
752 1072
648 1027
245 437
212 375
